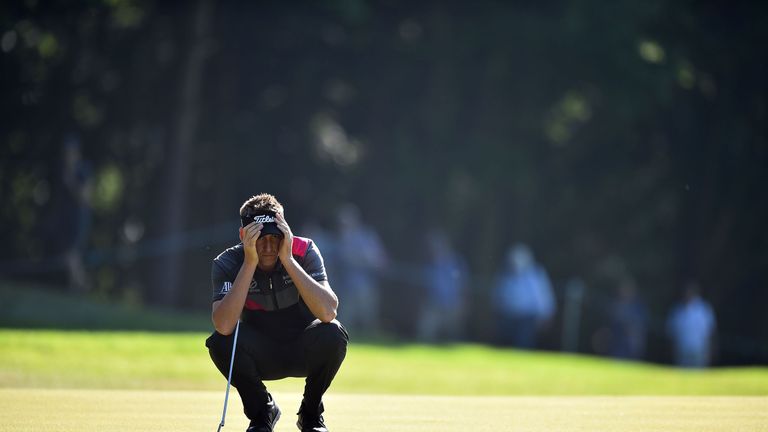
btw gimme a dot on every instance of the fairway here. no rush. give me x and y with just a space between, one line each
28 410
136 382
179 361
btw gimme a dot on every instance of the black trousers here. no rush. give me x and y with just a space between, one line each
316 353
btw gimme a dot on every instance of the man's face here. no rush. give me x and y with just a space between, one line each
267 247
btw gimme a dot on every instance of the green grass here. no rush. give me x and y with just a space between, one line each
33 306
179 361
32 410
136 381
129 380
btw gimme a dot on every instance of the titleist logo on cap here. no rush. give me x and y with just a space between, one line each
264 219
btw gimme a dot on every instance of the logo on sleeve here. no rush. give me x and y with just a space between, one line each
226 287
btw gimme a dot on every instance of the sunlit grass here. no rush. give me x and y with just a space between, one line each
137 360
74 410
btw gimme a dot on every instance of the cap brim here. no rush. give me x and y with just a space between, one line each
270 228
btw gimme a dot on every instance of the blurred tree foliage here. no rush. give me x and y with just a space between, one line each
617 138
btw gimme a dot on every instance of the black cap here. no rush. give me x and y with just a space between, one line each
267 219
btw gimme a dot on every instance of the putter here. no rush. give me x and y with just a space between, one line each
229 378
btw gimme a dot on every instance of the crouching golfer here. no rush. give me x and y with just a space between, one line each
276 285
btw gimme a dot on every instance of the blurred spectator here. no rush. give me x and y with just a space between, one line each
629 319
75 211
361 257
525 299
442 315
690 326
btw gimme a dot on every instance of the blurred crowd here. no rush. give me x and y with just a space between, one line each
524 302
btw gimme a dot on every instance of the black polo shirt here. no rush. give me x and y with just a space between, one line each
273 304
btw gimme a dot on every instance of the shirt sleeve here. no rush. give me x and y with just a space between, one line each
313 263
221 281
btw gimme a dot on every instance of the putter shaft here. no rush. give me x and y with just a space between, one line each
229 378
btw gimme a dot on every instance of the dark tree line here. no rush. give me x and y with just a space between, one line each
619 138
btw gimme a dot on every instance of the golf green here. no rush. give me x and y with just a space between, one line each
66 410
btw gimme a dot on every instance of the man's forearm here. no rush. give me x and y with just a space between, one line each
227 311
319 298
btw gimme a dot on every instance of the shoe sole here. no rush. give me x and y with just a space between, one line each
298 425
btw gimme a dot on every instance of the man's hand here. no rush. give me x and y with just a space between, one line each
249 234
318 296
286 246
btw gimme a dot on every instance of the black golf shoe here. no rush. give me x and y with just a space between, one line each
266 419
310 423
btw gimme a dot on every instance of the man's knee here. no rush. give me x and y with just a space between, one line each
331 332
219 348
327 339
